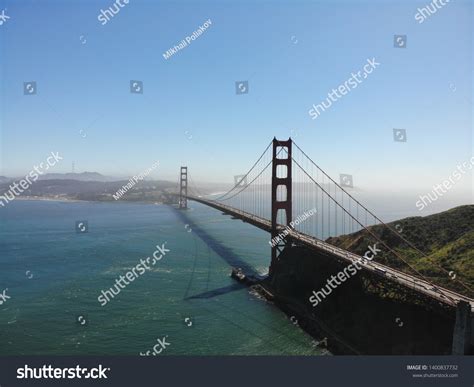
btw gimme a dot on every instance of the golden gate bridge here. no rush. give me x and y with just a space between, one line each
285 174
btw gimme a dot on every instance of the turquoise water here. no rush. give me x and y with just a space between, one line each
54 275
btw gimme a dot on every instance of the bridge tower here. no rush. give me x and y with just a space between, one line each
281 194
183 188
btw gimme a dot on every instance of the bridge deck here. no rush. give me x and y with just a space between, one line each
437 293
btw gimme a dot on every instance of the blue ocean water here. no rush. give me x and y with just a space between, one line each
53 276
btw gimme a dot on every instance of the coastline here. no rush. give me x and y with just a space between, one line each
35 198
68 200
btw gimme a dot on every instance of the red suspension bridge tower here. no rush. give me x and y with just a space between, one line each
281 194
183 188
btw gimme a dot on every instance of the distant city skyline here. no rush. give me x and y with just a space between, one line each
105 98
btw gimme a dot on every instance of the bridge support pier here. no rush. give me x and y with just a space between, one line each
281 195
471 351
183 188
462 335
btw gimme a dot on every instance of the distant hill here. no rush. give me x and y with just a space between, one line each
84 176
144 191
447 238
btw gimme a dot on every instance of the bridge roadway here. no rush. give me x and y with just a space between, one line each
443 295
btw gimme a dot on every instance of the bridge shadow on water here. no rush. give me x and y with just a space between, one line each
217 292
224 252
234 261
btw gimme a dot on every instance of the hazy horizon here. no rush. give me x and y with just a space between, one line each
191 112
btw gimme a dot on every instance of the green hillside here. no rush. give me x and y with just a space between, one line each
447 238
